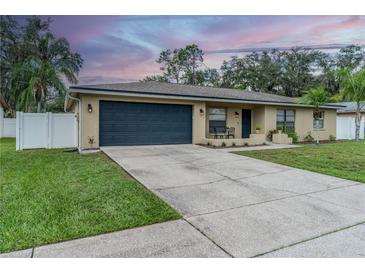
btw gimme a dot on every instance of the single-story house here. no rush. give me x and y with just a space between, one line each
144 113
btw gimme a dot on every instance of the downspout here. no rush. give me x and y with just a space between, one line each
78 100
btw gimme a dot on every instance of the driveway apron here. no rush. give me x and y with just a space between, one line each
247 207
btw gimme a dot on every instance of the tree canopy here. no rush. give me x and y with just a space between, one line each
285 72
34 64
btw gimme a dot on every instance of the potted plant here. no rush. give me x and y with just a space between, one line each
280 129
258 130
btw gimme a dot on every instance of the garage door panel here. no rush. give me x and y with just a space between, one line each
125 123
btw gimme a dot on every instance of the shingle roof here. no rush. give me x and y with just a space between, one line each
188 90
170 89
349 107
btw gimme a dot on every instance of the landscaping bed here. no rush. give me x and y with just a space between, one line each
341 159
54 195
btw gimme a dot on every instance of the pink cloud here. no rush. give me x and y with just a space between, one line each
354 21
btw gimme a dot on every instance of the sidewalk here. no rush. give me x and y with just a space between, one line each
170 239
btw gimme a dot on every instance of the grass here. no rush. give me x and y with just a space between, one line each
54 195
345 159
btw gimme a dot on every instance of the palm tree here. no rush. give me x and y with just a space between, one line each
353 89
49 62
315 97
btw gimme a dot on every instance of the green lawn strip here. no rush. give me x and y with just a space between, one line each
344 159
54 195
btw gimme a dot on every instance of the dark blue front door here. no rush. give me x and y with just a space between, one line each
246 123
124 123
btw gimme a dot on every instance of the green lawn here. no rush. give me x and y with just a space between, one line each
345 160
53 195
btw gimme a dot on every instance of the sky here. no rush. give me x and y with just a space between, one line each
124 48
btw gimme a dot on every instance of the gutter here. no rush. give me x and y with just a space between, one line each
78 100
97 91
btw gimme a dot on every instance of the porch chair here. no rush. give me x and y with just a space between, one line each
215 133
230 132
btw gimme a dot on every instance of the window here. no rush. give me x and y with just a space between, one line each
286 119
217 120
318 116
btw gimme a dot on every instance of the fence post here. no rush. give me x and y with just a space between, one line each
1 121
76 131
49 129
18 130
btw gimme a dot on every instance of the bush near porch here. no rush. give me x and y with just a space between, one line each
55 195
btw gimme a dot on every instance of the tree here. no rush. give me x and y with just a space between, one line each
353 89
192 60
171 64
351 57
208 77
179 65
259 71
38 63
315 97
234 73
156 78
297 71
49 62
55 104
288 72
328 76
10 54
263 71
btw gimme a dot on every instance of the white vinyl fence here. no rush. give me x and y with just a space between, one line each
345 128
7 125
46 130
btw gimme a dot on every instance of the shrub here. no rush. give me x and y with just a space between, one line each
270 133
233 144
258 128
223 144
309 137
208 143
294 136
280 127
245 144
332 138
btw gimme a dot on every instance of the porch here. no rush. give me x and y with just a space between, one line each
240 125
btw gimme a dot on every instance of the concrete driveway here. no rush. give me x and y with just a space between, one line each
249 207
232 206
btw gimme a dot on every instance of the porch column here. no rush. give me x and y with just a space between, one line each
199 122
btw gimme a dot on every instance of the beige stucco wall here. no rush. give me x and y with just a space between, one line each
262 116
90 121
304 121
259 119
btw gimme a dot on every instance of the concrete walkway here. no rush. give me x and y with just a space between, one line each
268 145
232 206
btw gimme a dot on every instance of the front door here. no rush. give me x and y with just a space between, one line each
246 123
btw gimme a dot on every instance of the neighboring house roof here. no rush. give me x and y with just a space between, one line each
178 90
349 107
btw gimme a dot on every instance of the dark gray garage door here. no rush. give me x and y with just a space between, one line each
122 123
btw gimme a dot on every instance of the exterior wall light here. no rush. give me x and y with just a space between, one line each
201 111
89 108
236 114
